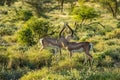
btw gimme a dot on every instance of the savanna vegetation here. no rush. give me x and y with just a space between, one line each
24 22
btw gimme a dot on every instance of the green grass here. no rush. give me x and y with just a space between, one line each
28 63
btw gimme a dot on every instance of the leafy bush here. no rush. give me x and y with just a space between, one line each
84 12
24 14
38 59
17 61
48 74
25 37
4 59
6 29
101 46
109 57
114 34
33 30
12 74
106 75
36 75
39 26
118 25
112 42
114 52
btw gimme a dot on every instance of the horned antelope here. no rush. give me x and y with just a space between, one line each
50 42
76 46
53 42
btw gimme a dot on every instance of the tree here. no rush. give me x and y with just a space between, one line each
111 5
83 13
61 3
38 5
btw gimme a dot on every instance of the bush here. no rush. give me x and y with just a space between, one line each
114 52
12 74
4 59
25 37
6 29
106 75
101 46
38 59
84 12
112 42
36 75
24 14
33 30
16 61
40 27
114 34
118 25
109 57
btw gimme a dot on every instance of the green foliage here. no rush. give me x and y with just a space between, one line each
114 34
114 53
113 42
6 29
33 30
118 25
101 46
106 75
109 57
26 62
25 36
37 75
4 60
40 27
12 74
8 2
84 12
38 59
24 14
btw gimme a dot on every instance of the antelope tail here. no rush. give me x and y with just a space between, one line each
92 48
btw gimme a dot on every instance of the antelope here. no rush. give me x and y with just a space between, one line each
50 42
54 43
76 46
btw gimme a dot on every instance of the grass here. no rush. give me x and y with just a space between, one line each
28 63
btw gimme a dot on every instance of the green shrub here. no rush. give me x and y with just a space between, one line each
3 48
12 74
101 46
17 61
38 59
118 25
40 27
113 52
4 59
85 12
33 30
114 34
24 14
112 42
25 37
66 63
36 75
109 57
106 75
6 30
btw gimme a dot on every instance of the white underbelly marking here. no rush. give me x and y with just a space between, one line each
52 46
78 50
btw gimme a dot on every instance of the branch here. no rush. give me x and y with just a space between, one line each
95 23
